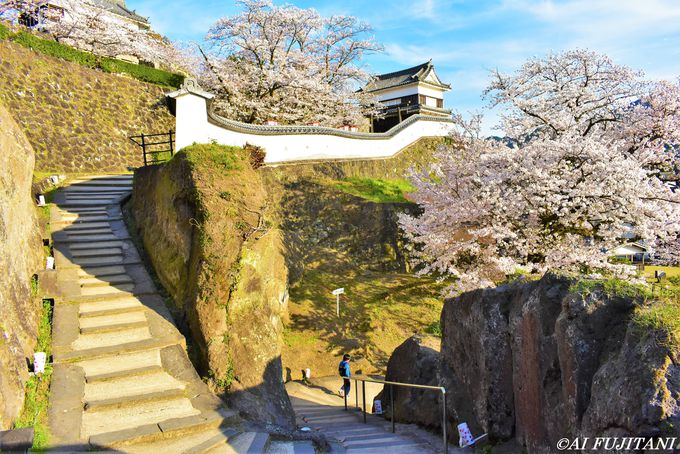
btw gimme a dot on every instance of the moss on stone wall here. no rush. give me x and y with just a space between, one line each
78 119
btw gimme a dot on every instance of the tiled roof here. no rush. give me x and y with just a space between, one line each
403 77
120 9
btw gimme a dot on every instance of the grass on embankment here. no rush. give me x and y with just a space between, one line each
34 413
659 306
376 189
109 65
378 311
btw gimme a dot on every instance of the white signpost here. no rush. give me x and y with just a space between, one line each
337 292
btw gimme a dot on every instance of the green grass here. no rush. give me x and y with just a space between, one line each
220 157
663 315
110 65
611 287
435 328
34 413
5 32
375 189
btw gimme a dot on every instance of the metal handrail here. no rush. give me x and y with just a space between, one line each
142 142
391 384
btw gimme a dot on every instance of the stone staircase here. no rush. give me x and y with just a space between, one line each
122 379
318 408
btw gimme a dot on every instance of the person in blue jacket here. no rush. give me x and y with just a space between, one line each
343 370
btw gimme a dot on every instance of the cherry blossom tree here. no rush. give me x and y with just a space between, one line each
87 26
288 64
593 162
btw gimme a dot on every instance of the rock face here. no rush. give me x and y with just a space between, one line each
78 119
203 221
19 259
538 362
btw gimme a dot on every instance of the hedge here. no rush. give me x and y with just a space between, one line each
143 73
55 49
109 65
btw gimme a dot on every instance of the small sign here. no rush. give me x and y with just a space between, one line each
39 360
377 407
338 291
41 200
50 263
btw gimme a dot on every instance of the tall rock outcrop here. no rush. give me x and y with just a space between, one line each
204 223
20 255
540 362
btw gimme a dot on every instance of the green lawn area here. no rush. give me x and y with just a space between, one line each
375 189
671 271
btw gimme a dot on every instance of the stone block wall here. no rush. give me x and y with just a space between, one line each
20 258
78 119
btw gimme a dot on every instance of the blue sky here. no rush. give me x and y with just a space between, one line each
467 38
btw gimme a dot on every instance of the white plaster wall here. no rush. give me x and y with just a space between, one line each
414 89
193 126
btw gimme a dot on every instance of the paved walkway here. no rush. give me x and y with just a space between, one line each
122 379
319 409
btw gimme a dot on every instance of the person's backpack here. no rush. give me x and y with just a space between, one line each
341 369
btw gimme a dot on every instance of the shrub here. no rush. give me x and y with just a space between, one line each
5 32
256 155
142 72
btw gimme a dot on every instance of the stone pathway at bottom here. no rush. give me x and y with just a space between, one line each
122 380
321 410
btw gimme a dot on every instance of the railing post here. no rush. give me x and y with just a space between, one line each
345 394
356 393
171 147
144 150
363 396
392 406
444 424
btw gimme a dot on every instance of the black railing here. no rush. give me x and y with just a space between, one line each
391 385
156 148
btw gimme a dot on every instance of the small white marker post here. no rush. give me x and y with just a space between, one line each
337 292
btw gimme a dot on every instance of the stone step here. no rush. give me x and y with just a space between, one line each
197 442
113 419
91 198
139 372
247 443
126 390
73 228
86 237
85 354
83 187
114 339
169 436
112 260
105 280
97 245
109 320
113 327
97 252
84 203
110 307
106 289
100 271
121 363
86 210
132 401
80 218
